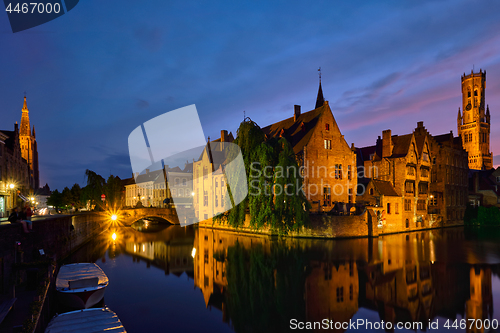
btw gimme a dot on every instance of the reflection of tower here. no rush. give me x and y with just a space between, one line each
474 123
29 150
480 304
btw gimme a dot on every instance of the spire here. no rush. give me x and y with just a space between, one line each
487 110
459 114
25 120
320 100
34 131
25 106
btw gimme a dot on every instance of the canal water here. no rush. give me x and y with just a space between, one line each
173 279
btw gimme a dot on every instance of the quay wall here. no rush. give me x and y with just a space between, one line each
57 235
320 226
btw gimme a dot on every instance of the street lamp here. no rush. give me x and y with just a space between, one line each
11 186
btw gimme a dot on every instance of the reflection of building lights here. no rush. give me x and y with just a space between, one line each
113 236
193 252
143 248
135 248
114 217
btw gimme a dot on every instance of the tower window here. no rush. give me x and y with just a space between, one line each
475 92
327 127
468 94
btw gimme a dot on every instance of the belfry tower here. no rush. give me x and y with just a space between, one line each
29 151
474 123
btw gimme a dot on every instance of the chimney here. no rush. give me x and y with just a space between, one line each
223 138
296 112
386 143
147 171
420 124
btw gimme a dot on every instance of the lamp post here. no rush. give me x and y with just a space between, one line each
11 186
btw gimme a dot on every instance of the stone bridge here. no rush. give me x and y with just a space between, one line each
129 216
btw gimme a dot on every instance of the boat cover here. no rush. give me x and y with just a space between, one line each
86 321
82 271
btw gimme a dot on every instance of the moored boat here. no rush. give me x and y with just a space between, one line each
86 320
81 286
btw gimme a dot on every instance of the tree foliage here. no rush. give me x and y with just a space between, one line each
55 199
275 196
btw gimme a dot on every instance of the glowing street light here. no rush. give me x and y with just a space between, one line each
114 217
113 236
11 186
192 194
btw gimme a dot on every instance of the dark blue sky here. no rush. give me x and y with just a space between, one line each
104 68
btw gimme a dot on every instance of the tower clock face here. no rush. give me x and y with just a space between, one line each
468 107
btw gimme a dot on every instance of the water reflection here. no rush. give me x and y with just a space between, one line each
258 284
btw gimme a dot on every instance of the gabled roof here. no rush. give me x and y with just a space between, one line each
384 188
298 132
401 145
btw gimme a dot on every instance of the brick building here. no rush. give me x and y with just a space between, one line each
448 186
398 161
474 123
328 163
14 174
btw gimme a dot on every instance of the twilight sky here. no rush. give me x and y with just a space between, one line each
99 71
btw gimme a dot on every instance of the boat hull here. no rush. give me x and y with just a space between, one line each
81 299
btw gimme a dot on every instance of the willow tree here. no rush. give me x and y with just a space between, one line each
249 137
275 197
291 208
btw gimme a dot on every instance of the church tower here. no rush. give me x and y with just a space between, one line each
474 121
29 150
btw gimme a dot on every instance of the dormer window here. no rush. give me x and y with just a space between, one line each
327 127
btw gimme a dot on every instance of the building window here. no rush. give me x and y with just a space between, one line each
205 257
423 188
216 201
176 181
205 172
340 294
424 172
222 200
410 170
338 171
388 208
407 205
371 191
327 127
407 225
396 208
328 144
410 187
350 195
421 204
351 292
184 182
349 172
327 196
216 183
205 198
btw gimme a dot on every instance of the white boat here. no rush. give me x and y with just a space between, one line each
81 286
86 320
